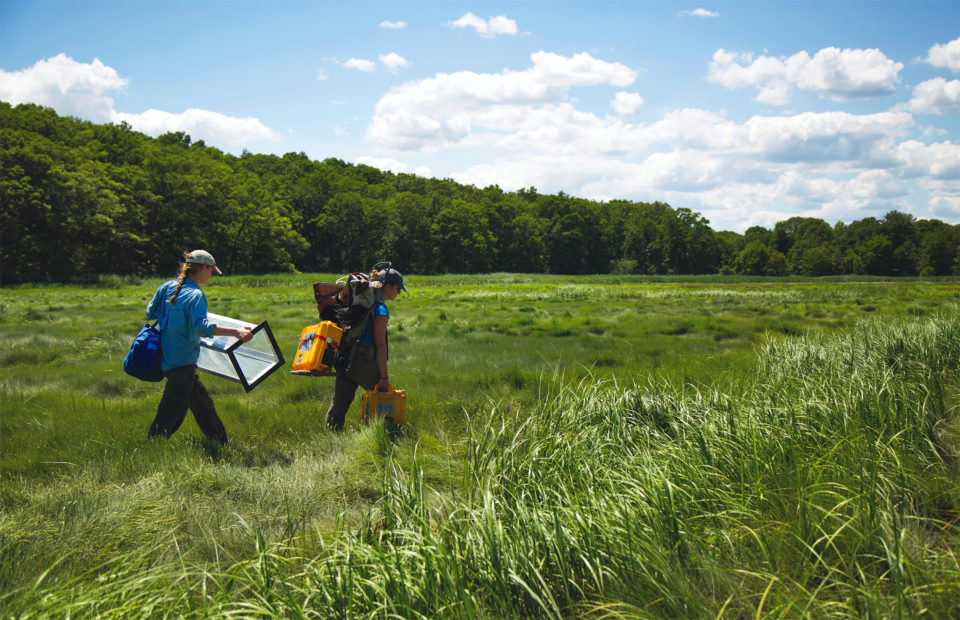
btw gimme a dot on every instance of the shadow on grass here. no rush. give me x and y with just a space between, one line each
242 456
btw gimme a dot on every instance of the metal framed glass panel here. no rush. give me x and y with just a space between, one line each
247 363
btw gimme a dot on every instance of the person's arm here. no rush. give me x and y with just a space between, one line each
154 303
202 327
380 340
242 333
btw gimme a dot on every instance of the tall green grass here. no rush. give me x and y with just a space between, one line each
823 484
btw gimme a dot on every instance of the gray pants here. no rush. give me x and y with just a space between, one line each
363 372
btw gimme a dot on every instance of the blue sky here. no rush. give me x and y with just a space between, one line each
747 112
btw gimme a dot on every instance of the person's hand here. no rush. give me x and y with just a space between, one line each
244 334
383 385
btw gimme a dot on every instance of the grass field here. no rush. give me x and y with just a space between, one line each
591 446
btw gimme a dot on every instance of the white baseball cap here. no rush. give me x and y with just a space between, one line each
202 257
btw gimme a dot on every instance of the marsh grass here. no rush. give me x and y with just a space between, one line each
697 448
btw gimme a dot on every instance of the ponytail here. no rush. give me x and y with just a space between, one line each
185 270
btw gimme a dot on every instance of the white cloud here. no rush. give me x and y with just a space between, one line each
763 170
213 127
321 74
946 55
383 163
947 207
398 25
939 161
439 112
502 25
936 96
737 174
578 70
833 73
626 104
700 13
78 89
872 184
829 136
360 64
70 87
393 165
491 28
394 61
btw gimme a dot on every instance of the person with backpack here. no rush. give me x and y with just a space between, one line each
180 309
368 361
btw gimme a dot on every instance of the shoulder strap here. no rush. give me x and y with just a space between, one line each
353 332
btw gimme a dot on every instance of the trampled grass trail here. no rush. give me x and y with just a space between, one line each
825 484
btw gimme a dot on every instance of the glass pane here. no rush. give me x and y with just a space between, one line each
256 359
220 343
225 321
217 362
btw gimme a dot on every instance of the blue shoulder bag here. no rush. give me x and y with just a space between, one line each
143 358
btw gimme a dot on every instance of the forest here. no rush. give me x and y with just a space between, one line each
78 199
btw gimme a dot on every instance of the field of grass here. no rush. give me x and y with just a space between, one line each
594 446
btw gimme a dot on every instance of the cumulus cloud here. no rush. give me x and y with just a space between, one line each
626 104
939 161
360 64
398 25
213 127
383 163
700 13
947 207
945 55
936 96
818 164
738 173
871 184
79 89
833 73
393 61
438 112
500 24
68 86
391 164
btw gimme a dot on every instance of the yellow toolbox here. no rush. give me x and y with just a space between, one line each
390 405
317 349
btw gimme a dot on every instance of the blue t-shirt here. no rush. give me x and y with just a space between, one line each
181 325
379 309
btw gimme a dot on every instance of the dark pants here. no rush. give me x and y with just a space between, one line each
184 390
363 372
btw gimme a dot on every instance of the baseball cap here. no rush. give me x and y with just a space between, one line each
392 276
202 257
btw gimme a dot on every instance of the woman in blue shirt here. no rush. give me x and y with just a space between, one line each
369 366
180 308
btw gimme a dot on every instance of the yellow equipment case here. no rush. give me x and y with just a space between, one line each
390 405
317 349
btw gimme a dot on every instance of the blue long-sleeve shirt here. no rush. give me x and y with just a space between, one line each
182 325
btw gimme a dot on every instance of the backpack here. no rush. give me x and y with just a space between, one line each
359 294
354 321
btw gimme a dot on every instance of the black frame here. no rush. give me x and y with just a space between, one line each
263 326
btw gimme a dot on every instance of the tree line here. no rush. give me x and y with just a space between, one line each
78 198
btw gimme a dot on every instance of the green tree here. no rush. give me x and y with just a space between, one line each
938 246
462 239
